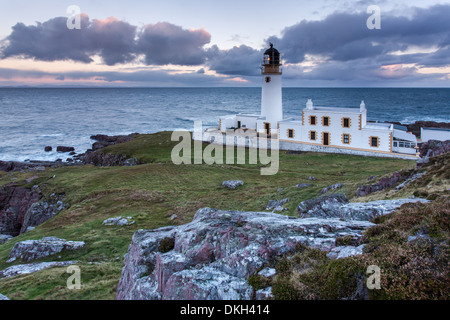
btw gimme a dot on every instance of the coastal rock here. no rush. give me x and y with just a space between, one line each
42 211
108 159
213 256
103 140
15 201
48 149
232 184
64 149
35 249
118 221
32 267
337 206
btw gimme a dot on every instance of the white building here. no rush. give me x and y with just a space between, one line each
324 129
440 134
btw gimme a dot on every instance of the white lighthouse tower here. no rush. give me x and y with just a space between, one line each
271 99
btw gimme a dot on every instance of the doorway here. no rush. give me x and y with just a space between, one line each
267 127
326 138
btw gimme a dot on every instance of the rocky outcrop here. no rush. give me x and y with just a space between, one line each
337 206
31 268
22 208
332 187
434 148
29 250
232 184
384 183
2 297
277 206
213 256
42 211
100 159
95 157
4 238
321 207
15 201
103 140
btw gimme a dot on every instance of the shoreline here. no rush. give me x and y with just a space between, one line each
103 140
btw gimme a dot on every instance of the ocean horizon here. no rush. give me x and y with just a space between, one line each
32 118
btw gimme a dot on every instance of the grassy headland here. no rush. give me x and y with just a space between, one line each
151 193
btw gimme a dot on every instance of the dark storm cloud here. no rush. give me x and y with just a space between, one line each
113 40
345 36
242 60
48 41
164 43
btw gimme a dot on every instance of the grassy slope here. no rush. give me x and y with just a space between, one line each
151 193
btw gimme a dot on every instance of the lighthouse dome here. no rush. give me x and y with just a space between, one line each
271 56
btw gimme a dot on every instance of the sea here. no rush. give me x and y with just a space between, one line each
32 118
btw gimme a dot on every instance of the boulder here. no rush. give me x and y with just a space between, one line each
118 221
345 251
32 267
275 205
35 249
48 149
2 297
232 184
337 206
303 185
267 272
321 207
64 149
213 256
264 294
4 238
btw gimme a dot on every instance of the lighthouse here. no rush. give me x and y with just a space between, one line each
271 98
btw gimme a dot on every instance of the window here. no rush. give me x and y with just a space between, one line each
374 142
346 122
312 135
290 133
312 120
326 121
268 79
346 138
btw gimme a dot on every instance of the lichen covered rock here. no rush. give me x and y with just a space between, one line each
213 256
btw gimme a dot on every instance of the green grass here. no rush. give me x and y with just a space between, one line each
151 193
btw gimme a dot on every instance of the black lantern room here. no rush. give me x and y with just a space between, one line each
271 63
271 56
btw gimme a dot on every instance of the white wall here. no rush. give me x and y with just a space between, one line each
271 98
427 134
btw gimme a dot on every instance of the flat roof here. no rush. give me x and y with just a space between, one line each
336 109
437 129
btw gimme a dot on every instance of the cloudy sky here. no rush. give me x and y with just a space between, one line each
323 43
